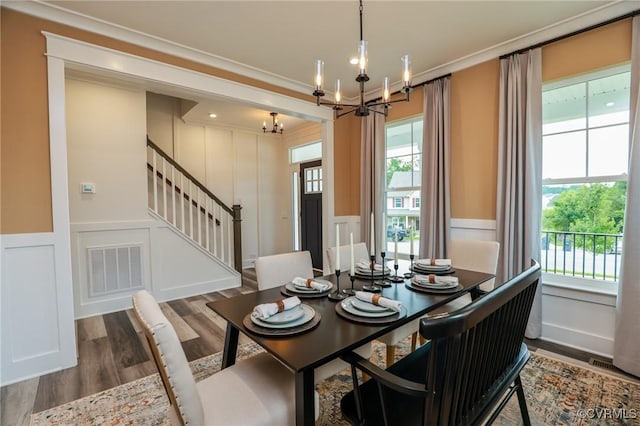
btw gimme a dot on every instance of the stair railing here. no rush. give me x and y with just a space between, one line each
186 204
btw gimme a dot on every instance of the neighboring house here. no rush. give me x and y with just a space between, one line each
403 205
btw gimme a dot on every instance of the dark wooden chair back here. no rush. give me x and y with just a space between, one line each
464 375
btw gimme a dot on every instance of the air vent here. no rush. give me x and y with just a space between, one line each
606 364
114 269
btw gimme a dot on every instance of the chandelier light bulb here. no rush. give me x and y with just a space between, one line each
385 90
406 71
338 91
362 54
319 75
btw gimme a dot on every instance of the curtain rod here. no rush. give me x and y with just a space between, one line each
573 33
413 87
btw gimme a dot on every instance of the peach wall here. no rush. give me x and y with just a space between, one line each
26 186
474 141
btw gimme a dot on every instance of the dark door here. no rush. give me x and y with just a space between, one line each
311 210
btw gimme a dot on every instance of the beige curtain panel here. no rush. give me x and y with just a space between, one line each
519 194
435 208
626 346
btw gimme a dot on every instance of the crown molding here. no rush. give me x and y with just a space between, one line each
57 14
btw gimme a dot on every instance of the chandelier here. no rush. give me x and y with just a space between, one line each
275 127
381 105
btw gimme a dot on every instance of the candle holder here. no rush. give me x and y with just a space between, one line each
395 278
383 282
373 287
337 295
410 274
350 291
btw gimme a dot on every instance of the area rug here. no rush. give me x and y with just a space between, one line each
558 393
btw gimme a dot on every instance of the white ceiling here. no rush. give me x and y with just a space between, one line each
280 41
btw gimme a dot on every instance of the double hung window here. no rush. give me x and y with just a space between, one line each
585 164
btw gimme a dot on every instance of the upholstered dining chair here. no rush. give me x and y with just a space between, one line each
473 255
279 269
255 391
391 339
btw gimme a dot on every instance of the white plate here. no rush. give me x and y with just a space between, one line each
432 268
347 305
307 315
305 290
443 290
286 316
366 306
434 285
319 280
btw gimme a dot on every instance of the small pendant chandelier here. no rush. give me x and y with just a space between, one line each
276 127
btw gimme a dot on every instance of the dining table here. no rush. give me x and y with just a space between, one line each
334 334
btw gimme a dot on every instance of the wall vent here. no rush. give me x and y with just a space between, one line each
114 269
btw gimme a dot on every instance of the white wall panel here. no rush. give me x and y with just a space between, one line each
189 147
272 194
180 269
219 163
106 146
246 192
34 303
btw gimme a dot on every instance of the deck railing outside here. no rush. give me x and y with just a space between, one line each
581 254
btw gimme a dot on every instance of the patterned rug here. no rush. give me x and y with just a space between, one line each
557 393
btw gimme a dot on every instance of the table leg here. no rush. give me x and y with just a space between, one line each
305 399
230 346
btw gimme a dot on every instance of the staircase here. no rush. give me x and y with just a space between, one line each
191 209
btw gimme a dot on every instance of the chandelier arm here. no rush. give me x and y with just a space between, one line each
340 114
333 104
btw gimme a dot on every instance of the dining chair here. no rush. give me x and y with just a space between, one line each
473 255
394 337
277 270
465 374
255 391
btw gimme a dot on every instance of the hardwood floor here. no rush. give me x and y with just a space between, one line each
112 350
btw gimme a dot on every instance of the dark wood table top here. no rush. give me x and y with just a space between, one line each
334 334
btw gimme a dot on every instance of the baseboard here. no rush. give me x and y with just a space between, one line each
577 339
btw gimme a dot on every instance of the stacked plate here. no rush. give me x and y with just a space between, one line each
424 267
304 290
365 272
293 317
358 307
439 286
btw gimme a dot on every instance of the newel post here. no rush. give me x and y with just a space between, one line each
237 237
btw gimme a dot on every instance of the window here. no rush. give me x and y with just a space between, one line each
585 157
302 153
403 156
313 180
416 203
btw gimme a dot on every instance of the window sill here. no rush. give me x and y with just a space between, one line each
586 290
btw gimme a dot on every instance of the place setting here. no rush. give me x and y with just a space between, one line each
284 317
434 284
433 266
370 308
307 288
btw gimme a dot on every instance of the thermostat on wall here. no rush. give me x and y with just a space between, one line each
88 188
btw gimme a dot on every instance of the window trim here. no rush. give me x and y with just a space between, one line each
579 285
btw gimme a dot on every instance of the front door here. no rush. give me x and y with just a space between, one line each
311 210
